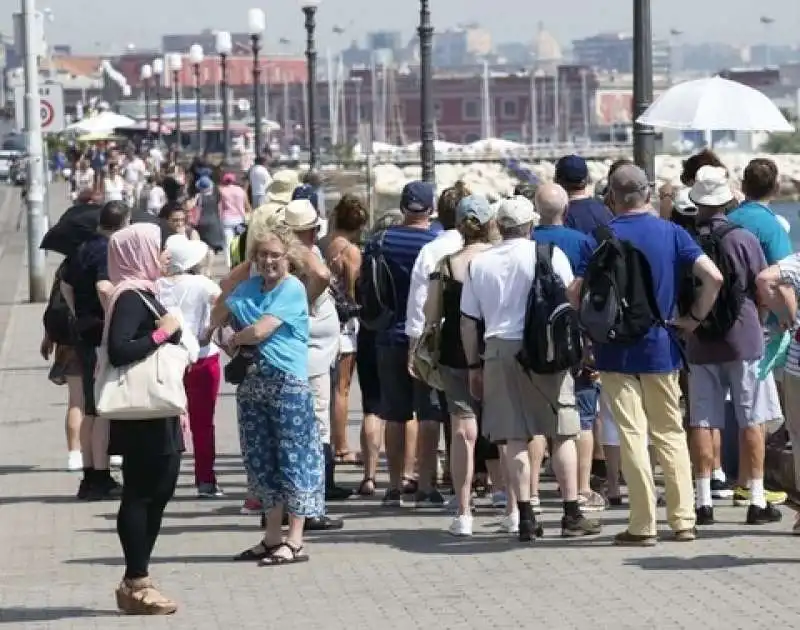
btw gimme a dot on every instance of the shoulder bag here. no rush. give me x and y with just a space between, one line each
148 389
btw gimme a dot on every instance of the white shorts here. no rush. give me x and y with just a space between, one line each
710 386
767 406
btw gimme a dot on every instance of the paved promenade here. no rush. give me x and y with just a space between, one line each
388 569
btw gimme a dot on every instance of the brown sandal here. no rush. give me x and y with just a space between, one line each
367 487
140 597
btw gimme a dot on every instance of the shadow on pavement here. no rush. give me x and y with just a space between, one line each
703 563
22 615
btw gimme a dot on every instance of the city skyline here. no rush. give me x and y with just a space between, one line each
106 32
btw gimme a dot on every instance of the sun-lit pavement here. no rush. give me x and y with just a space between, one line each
60 559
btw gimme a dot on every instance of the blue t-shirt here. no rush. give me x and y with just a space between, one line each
566 239
669 249
436 227
401 247
586 215
761 221
287 347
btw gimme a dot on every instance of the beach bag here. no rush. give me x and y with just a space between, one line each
148 389
551 338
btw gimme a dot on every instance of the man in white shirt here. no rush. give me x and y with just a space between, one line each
259 182
518 406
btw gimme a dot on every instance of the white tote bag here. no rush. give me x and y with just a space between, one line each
145 390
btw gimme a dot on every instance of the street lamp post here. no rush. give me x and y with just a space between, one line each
256 23
175 64
196 59
224 45
644 138
310 10
427 151
147 76
358 81
158 72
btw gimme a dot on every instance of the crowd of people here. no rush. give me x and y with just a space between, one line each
597 334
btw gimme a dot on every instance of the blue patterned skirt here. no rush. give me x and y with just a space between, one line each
279 437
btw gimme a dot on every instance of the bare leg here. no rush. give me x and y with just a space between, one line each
347 363
462 452
371 438
585 455
565 466
518 471
100 444
428 453
85 434
702 451
536 450
410 461
396 453
74 412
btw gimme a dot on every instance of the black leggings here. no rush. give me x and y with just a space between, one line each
148 485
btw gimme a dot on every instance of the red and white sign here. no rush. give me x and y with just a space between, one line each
51 107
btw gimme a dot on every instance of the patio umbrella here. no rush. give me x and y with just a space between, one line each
715 104
104 122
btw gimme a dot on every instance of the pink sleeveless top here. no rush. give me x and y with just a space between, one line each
232 204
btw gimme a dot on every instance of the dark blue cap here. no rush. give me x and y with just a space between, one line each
572 169
418 197
307 192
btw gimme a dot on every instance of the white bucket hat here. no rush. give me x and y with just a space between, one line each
711 187
300 215
184 254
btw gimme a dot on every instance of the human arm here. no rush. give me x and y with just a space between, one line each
69 295
125 345
417 294
777 287
288 304
317 275
235 277
710 279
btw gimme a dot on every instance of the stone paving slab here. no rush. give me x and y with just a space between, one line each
390 569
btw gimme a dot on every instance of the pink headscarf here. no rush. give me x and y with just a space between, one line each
133 263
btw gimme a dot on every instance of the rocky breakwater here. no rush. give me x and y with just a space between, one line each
494 180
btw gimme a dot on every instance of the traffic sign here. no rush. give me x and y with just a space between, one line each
51 107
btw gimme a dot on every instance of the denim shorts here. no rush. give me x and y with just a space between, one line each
586 401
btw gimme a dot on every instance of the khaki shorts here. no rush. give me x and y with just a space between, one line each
518 405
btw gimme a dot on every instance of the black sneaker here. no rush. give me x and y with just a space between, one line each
762 516
322 524
83 489
433 498
615 501
721 489
392 498
576 526
530 530
705 515
337 493
103 489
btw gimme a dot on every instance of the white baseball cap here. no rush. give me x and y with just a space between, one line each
184 254
515 211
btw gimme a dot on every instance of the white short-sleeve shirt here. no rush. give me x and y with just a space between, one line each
497 286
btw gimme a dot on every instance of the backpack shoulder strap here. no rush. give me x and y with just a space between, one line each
603 233
544 257
149 304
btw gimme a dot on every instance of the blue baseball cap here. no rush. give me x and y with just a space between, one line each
475 207
204 183
418 197
572 169
307 191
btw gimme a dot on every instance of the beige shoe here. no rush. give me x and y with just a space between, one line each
139 597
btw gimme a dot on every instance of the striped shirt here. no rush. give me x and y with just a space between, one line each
790 274
401 246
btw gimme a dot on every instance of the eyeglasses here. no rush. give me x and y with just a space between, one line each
269 256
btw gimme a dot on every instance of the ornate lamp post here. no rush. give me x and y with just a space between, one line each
310 10
196 59
158 72
175 65
256 23
427 151
644 138
147 76
224 45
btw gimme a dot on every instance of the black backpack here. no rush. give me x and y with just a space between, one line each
618 304
376 294
728 306
58 320
551 339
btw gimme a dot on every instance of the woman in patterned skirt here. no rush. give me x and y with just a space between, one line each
278 430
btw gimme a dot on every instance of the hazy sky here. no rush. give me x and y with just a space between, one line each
81 23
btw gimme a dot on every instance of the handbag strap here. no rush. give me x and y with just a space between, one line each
149 305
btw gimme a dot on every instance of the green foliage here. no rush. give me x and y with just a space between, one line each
782 143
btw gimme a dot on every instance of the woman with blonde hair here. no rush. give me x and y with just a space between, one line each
278 431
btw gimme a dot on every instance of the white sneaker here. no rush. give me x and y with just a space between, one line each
74 461
461 526
536 504
510 524
499 500
115 461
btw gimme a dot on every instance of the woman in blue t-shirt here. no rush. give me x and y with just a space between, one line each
278 430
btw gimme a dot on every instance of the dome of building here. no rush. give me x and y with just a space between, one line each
546 47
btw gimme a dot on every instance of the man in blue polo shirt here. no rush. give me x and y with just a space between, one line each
402 396
640 381
585 213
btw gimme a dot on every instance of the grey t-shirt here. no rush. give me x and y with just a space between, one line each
745 341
